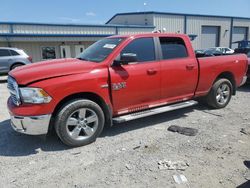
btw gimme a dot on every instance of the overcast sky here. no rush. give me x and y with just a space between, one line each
99 11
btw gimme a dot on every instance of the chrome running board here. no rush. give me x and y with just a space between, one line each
153 111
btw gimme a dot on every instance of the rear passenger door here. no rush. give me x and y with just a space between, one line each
179 71
5 60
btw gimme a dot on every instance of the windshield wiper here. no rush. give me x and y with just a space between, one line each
83 59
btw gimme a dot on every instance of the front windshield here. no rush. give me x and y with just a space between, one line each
100 50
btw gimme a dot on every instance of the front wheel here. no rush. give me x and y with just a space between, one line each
79 122
220 93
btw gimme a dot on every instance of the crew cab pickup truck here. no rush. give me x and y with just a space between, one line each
117 79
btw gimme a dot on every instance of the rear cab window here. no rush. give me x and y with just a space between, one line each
173 48
144 49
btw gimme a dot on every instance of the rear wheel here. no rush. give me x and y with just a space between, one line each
16 65
220 93
79 122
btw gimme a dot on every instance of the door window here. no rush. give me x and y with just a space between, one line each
144 49
4 53
14 53
173 48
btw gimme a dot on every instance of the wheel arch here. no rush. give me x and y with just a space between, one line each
228 75
16 63
107 110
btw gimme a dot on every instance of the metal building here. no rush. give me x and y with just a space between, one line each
211 30
50 41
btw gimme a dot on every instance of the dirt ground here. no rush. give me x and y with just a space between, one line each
127 154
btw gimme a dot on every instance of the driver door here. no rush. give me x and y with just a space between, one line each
137 84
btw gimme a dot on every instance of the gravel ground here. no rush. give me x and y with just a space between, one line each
127 154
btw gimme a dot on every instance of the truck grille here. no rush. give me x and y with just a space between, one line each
14 91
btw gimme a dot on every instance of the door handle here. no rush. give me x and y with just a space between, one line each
151 71
190 67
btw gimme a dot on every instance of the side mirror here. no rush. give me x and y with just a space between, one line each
125 59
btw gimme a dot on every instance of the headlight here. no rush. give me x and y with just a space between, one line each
34 95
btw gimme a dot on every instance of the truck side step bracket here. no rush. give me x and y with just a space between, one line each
145 113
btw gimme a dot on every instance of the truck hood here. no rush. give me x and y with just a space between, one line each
50 69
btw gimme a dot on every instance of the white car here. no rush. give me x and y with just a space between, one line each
10 58
223 50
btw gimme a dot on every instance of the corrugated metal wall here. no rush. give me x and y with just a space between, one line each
172 23
42 29
140 19
49 39
241 30
242 23
32 37
194 25
124 31
4 28
34 49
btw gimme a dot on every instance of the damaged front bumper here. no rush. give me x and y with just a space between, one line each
31 125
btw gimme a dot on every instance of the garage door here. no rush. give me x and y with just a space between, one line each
239 33
210 36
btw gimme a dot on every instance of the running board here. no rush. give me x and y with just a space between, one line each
145 113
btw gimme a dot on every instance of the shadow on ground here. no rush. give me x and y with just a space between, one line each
3 78
145 122
244 88
3 81
244 185
16 144
247 183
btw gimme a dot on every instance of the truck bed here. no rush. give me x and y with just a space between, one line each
211 68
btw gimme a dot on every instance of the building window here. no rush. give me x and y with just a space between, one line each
48 53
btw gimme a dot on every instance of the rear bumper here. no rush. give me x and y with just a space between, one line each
31 125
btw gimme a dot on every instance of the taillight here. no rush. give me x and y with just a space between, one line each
30 59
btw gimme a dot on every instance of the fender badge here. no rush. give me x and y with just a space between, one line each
118 86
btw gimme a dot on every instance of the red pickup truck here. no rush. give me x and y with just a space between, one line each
117 79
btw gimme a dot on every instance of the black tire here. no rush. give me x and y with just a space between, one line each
16 65
215 95
67 111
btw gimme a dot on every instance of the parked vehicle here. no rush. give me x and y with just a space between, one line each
223 50
243 44
11 58
113 80
242 50
216 51
213 52
208 53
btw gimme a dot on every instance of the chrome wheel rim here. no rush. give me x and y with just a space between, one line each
82 124
223 94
